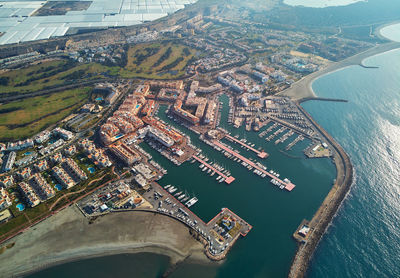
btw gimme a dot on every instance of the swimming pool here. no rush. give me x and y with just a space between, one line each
20 207
91 170
28 153
119 136
58 187
99 99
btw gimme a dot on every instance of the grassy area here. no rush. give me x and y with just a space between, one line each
84 163
157 60
12 224
24 118
36 212
163 60
48 74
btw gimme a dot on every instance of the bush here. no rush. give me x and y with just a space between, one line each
4 80
163 57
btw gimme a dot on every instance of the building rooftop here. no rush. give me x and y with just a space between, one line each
18 24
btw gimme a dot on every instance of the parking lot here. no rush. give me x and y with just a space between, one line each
124 195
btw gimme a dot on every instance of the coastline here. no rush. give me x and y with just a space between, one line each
302 89
378 30
329 207
301 92
43 245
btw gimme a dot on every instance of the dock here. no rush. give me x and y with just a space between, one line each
284 137
217 244
228 179
294 142
225 211
260 154
265 132
288 185
272 136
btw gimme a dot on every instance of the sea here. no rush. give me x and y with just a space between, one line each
364 237
321 3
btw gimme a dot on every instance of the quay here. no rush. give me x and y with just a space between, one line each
218 235
288 185
217 238
228 179
260 154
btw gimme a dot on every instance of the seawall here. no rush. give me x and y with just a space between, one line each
326 212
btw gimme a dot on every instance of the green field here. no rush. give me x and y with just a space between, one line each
157 60
48 74
163 60
24 118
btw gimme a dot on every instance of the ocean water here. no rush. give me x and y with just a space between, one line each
320 3
138 265
364 238
391 32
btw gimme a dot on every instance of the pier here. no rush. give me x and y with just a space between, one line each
272 136
265 132
284 137
228 179
260 154
294 142
216 243
288 185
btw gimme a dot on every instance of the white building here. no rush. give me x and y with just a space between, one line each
5 200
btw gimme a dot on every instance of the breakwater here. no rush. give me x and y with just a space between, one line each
328 208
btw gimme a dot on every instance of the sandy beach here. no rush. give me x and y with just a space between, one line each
378 30
303 88
68 236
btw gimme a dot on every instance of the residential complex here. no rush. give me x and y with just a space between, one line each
42 188
29 194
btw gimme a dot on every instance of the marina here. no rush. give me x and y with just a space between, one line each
268 130
224 177
289 186
260 154
272 136
284 137
294 142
